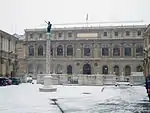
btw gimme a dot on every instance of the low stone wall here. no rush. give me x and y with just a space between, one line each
137 80
109 79
79 79
90 80
98 79
57 79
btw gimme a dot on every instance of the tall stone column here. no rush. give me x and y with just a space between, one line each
48 55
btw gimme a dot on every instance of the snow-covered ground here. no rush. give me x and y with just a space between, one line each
26 98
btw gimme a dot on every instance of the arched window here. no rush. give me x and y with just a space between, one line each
87 69
105 69
69 69
127 70
60 50
31 51
40 50
69 50
139 69
116 70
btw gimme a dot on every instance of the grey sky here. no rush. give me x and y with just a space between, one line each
17 15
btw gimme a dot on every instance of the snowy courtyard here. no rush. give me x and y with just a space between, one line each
26 98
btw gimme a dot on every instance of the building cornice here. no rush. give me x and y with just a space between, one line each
87 28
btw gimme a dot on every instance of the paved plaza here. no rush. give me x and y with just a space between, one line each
26 98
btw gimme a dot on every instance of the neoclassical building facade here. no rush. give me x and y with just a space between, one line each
8 55
87 50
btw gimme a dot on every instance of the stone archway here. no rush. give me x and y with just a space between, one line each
116 70
127 70
87 69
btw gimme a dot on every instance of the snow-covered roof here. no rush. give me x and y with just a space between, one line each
91 25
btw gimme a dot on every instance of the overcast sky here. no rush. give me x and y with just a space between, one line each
17 15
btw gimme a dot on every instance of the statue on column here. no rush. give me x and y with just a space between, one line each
49 26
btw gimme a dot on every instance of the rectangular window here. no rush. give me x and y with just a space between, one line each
105 51
127 33
116 33
31 36
127 51
87 52
40 36
105 33
139 33
59 35
116 51
69 35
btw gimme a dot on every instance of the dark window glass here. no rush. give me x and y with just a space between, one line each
139 33
116 51
31 50
69 50
60 50
105 33
105 52
69 35
116 33
59 35
87 51
127 51
127 33
40 51
139 51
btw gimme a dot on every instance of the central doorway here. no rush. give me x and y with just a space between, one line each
87 69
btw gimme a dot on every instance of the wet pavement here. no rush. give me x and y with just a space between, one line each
26 98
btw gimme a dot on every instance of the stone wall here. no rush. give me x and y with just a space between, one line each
98 79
